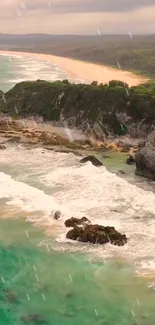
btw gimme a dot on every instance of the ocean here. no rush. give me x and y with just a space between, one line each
47 279
17 68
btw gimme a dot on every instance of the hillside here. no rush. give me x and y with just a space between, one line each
113 109
134 54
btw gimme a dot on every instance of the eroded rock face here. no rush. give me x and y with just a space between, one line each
94 234
145 158
92 159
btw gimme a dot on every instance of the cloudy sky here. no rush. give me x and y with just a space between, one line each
77 16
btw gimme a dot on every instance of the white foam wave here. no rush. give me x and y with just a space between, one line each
25 196
84 190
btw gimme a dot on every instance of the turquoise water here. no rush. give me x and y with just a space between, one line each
65 288
16 68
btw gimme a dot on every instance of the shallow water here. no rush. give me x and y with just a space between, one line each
16 68
66 288
61 281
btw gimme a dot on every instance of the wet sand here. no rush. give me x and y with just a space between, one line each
84 71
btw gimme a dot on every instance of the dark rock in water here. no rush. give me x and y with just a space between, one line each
70 295
122 172
11 297
33 319
74 222
130 160
106 156
57 215
97 234
92 159
145 158
2 147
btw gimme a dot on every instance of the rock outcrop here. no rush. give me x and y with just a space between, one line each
92 159
57 215
145 158
94 234
73 222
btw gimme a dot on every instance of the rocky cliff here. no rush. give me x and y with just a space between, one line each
101 110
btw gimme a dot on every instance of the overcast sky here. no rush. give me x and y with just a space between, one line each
77 16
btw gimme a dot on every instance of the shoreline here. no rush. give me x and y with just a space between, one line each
81 70
52 137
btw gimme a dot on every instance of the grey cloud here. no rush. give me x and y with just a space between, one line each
77 16
71 6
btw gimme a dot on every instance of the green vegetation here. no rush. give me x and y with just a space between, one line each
114 107
135 54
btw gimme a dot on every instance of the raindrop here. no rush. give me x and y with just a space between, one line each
127 91
27 235
3 280
130 35
28 297
43 296
4 99
132 312
138 302
96 312
47 248
16 110
34 268
68 132
98 31
18 12
71 280
37 278
22 4
118 65
49 5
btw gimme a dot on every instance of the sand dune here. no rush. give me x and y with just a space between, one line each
85 71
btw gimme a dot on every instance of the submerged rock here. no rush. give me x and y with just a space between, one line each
92 159
33 319
121 172
73 222
11 297
95 234
130 160
145 158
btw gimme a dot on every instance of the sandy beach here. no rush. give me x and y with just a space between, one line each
85 71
